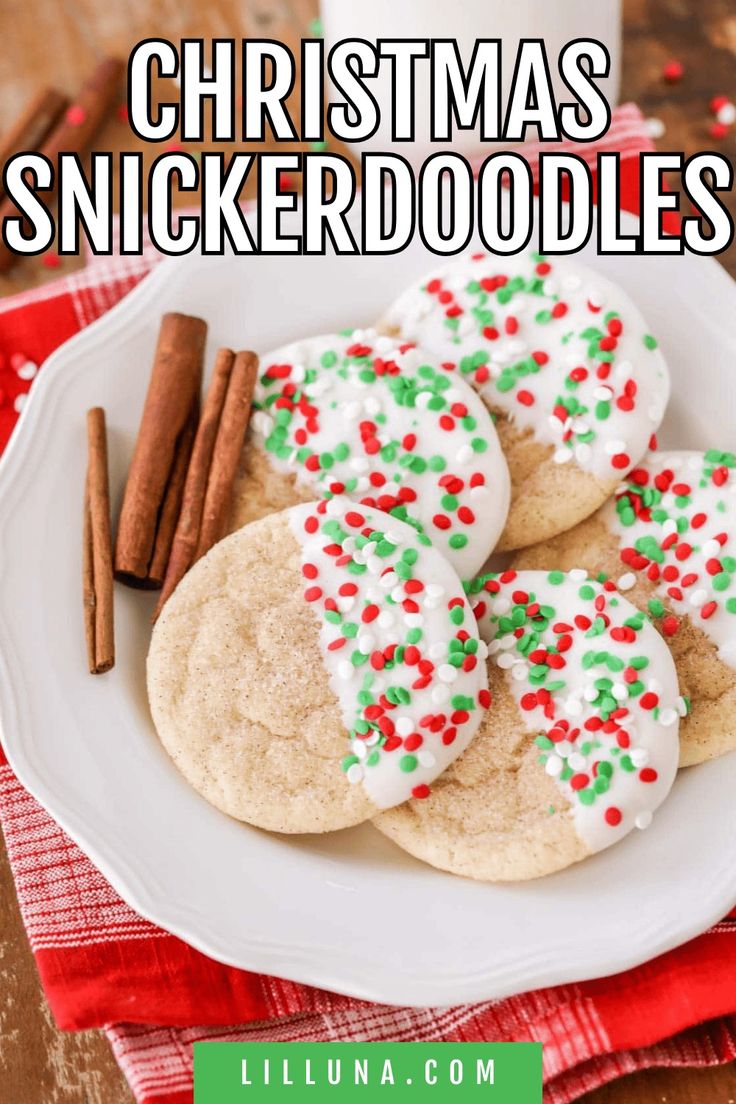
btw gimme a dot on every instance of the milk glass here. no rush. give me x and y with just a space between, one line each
556 21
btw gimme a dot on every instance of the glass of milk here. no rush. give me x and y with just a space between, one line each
556 21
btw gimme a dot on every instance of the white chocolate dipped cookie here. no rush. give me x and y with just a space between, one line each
364 415
315 667
669 540
579 747
564 360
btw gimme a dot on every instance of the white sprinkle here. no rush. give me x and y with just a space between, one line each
388 580
562 456
565 748
619 691
434 590
681 706
614 446
359 464
605 394
590 693
337 507
553 766
573 707
355 773
481 491
726 114
19 403
655 127
640 757
262 423
710 549
366 643
698 597
423 399
404 726
643 819
447 673
499 606
583 453
578 574
464 454
426 758
386 619
668 716
519 671
438 650
360 749
506 661
626 581
577 761
345 669
27 371
669 529
440 693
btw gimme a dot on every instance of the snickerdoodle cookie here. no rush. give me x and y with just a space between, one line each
315 667
563 359
579 746
668 539
378 420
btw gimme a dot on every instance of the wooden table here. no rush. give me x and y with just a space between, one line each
38 1064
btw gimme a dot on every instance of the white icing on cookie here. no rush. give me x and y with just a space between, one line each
675 520
594 678
399 642
380 421
555 346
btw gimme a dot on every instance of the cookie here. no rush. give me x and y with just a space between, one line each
668 538
580 744
563 359
360 414
315 667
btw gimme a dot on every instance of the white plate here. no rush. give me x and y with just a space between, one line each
349 911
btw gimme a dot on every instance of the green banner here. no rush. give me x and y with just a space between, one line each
289 1073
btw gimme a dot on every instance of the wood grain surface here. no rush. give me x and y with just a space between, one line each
38 1064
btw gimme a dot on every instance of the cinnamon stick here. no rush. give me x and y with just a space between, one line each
171 508
228 446
97 550
186 537
74 131
33 125
176 379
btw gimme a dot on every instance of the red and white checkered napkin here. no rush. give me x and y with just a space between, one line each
102 965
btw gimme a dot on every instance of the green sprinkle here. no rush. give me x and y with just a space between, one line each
408 763
650 342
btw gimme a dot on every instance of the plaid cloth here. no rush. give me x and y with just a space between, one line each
102 965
